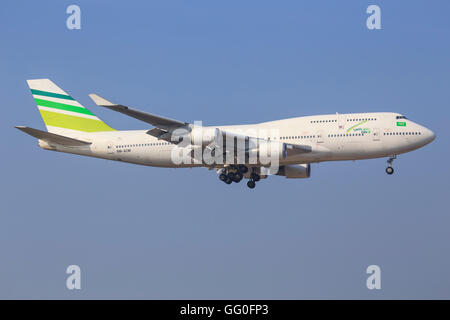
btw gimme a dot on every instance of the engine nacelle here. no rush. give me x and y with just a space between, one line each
201 136
295 171
241 148
266 151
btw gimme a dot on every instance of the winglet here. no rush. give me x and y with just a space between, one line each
100 101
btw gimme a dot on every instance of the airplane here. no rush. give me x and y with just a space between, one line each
236 151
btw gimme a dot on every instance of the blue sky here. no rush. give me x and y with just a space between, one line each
149 233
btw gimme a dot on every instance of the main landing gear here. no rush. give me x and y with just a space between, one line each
254 177
390 169
236 174
229 175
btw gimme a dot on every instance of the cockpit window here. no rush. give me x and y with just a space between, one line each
401 117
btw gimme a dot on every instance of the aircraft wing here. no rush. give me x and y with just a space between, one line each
166 126
163 123
53 138
249 142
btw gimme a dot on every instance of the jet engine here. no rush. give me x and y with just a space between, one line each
295 171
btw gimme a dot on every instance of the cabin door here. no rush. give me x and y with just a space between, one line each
319 136
376 134
110 147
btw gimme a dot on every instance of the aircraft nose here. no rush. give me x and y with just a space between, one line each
429 135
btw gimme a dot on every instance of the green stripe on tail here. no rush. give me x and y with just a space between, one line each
51 94
62 106
57 120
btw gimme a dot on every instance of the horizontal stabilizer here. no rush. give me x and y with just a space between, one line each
52 137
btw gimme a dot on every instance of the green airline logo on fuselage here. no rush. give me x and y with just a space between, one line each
401 124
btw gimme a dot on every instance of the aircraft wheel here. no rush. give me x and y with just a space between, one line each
223 177
243 169
228 181
251 184
255 176
389 170
238 177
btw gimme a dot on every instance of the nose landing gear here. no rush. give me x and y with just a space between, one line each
390 169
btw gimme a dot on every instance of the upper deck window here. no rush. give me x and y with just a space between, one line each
401 117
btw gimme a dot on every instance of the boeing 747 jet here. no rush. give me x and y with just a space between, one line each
283 147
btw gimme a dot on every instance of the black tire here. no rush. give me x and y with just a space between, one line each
223 177
243 169
255 176
228 181
231 176
251 184
389 170
238 177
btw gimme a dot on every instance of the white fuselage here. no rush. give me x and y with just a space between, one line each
331 137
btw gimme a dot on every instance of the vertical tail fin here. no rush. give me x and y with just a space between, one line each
62 113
